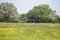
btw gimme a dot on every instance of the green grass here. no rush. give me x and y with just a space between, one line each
29 31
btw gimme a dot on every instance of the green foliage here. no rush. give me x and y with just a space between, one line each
22 18
9 11
41 13
1 17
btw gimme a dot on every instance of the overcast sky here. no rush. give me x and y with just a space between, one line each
24 6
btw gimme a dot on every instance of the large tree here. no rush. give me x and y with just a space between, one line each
9 11
41 13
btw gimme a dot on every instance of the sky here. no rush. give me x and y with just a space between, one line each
23 6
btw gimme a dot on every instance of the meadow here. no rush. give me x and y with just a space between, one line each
29 31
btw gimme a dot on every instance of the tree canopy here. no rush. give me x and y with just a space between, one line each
41 13
9 11
38 14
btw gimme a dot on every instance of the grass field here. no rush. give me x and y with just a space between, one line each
29 31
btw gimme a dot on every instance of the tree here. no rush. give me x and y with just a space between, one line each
22 17
57 19
9 11
41 13
1 17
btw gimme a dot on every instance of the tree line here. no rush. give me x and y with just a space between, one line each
38 14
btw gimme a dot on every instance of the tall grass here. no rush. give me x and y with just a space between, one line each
29 31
